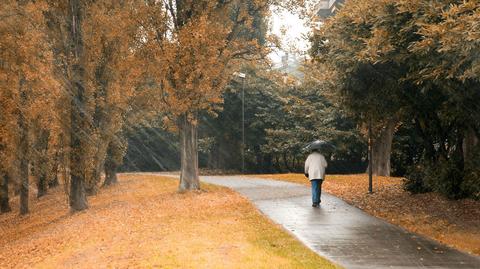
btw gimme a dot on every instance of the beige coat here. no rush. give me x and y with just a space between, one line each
315 166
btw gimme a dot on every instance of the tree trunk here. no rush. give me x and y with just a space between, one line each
259 159
110 174
53 182
95 171
24 173
42 186
101 157
285 162
267 164
469 143
4 199
41 165
110 164
64 158
90 189
382 149
79 128
189 179
78 197
277 164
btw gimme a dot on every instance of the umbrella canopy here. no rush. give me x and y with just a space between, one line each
320 145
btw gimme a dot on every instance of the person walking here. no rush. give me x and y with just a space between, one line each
315 171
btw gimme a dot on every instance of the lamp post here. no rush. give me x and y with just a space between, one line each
243 76
370 158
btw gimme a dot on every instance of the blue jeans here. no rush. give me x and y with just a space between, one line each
316 190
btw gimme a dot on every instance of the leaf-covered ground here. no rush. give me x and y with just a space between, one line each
455 223
144 222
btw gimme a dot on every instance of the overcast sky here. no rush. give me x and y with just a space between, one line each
295 32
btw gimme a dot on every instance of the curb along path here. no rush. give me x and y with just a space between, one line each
343 233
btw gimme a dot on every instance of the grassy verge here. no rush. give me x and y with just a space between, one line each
455 223
144 222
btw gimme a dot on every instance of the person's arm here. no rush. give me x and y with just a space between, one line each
307 163
325 164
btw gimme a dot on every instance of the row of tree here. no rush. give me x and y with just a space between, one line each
280 116
76 75
410 66
406 72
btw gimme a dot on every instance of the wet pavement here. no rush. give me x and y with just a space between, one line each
343 233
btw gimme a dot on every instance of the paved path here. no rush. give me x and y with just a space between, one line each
343 233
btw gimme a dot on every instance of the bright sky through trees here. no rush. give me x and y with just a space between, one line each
293 32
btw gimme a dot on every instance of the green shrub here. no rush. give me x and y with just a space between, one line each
446 177
415 180
452 177
471 181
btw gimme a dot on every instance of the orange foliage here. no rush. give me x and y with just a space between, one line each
143 222
192 57
27 83
125 62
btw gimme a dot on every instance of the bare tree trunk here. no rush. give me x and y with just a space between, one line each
91 187
66 168
78 130
110 174
24 173
110 164
4 179
42 186
65 159
99 165
277 164
4 199
53 182
382 149
93 169
41 165
189 179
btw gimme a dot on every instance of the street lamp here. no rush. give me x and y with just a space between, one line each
243 76
370 158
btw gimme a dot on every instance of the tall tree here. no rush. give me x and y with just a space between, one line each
344 48
112 75
80 127
115 153
193 45
40 158
27 83
420 59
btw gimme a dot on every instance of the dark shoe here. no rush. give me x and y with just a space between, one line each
314 205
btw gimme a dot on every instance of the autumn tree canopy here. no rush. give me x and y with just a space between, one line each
28 87
194 49
412 64
77 74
